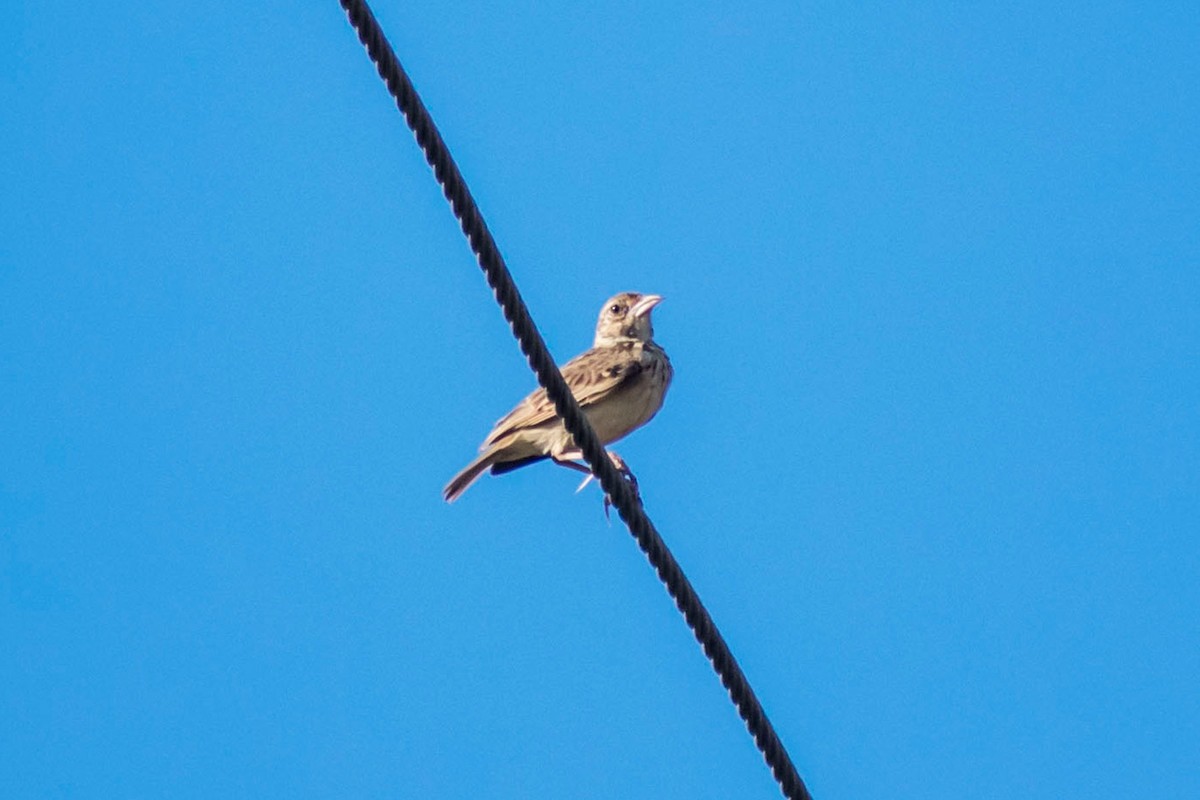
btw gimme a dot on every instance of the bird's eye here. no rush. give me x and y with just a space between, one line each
615 308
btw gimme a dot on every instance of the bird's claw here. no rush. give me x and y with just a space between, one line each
626 473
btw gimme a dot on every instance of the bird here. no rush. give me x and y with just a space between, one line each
620 383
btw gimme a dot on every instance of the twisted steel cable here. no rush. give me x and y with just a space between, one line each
532 345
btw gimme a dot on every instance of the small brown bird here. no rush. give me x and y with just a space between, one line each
620 384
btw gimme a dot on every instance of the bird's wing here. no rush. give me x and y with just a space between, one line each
592 376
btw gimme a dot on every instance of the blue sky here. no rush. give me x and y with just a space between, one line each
931 456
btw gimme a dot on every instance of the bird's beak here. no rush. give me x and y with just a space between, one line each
642 307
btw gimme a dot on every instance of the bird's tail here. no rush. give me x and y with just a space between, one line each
463 480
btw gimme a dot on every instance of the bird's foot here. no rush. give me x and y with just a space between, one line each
626 473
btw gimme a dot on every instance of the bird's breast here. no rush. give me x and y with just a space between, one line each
635 402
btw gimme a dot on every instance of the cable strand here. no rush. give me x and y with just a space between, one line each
516 313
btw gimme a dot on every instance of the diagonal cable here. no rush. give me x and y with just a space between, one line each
626 501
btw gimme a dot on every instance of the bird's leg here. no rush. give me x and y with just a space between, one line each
626 473
624 469
563 461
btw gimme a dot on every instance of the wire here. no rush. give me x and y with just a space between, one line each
532 345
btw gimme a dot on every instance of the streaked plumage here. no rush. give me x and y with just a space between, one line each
619 383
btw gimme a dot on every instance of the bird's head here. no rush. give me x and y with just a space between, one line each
626 318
